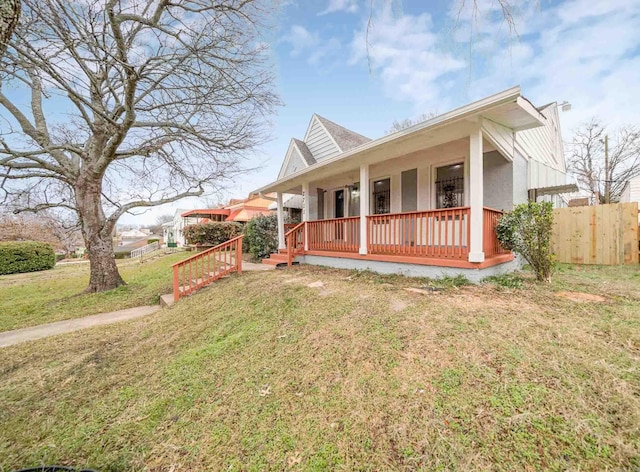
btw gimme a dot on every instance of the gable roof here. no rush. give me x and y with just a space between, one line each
303 149
343 137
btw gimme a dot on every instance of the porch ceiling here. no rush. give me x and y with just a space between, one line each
508 108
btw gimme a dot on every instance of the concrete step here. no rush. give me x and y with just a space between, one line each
166 300
274 262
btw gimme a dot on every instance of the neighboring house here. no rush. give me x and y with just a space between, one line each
237 210
631 192
423 200
292 207
133 234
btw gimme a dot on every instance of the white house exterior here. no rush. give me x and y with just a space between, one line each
422 198
631 192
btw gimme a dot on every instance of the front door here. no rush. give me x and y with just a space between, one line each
339 213
339 209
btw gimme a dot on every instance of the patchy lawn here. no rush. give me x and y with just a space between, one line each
263 372
53 295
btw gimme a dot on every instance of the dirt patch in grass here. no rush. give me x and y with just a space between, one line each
258 374
581 297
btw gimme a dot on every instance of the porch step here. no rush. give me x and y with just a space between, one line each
275 259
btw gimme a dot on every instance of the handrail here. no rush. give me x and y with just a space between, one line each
492 246
146 249
295 238
206 267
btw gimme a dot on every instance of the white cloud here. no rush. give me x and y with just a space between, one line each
582 51
403 50
319 52
349 6
301 39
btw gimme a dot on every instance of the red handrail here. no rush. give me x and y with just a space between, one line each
203 268
295 241
492 246
335 234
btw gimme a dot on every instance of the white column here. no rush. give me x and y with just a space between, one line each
306 211
476 196
364 206
280 213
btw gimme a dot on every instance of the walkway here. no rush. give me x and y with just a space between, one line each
9 338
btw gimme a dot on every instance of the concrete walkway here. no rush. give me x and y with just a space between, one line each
9 338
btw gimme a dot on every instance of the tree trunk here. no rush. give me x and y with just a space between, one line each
97 237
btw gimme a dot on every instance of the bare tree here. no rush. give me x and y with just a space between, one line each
9 17
132 103
602 171
409 122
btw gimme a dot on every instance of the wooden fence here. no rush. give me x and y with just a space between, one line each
601 234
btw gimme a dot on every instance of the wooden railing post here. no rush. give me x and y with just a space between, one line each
176 283
239 255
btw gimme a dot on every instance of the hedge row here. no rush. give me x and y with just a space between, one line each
211 234
25 256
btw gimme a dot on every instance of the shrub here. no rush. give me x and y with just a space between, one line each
152 240
122 254
261 236
527 231
211 234
25 256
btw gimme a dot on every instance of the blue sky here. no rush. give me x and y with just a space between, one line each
430 56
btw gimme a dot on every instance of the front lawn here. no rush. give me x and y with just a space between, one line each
263 372
53 295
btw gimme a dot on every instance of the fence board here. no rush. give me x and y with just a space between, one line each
601 234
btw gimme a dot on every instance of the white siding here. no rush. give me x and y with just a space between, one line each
632 191
319 142
500 136
544 144
293 161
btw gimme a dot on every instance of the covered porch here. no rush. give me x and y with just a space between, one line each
421 202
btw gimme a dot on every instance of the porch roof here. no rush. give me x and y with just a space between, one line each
507 108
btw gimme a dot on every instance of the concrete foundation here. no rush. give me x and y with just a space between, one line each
410 270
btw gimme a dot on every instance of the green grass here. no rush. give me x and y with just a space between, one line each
53 295
260 372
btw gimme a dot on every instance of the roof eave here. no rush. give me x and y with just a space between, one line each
506 96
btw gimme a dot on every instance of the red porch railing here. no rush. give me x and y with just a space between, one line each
435 233
197 271
492 246
290 226
337 234
294 239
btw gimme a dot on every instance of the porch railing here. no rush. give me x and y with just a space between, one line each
337 234
294 239
492 246
290 226
197 271
436 233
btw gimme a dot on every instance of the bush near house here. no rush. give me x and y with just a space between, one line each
527 231
153 240
25 256
211 234
261 236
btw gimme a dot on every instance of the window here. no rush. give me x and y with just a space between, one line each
381 200
450 186
354 199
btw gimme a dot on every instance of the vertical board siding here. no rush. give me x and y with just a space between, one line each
601 234
320 143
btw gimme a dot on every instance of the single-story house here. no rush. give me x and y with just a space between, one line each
238 210
422 201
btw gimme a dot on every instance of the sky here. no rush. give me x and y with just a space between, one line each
429 56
